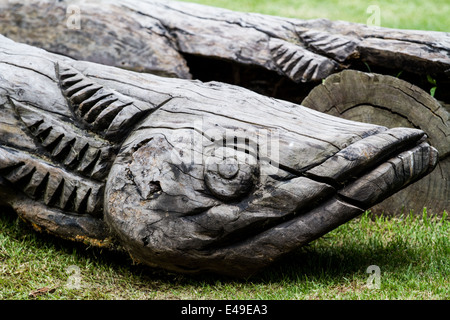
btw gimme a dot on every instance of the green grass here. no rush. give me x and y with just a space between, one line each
413 254
402 14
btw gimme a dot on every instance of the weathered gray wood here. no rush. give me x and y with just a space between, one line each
41 193
155 35
392 102
187 176
162 36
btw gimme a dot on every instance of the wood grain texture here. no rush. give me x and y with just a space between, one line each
154 36
390 101
187 176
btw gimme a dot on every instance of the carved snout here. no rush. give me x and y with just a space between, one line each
189 176
205 191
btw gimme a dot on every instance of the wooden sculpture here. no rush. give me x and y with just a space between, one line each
187 176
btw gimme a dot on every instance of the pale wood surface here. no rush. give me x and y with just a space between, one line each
187 176
154 36
390 101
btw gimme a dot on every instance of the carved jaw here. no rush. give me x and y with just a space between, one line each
207 192
212 177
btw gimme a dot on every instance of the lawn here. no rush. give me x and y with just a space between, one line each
402 14
410 253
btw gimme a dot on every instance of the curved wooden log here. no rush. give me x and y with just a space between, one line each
162 37
188 176
392 102
270 55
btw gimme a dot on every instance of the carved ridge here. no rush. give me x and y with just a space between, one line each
300 65
67 144
52 186
100 109
337 47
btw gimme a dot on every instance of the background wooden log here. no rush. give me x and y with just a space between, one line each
188 176
190 40
279 57
387 100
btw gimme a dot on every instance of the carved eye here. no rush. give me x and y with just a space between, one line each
230 174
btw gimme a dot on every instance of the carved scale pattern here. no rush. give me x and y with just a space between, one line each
72 147
81 148
339 48
298 63
102 110
53 186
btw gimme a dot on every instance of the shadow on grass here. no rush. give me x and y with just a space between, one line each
323 262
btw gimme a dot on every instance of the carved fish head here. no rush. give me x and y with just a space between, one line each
229 186
189 176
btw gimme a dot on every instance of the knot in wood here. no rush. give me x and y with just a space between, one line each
230 174
228 168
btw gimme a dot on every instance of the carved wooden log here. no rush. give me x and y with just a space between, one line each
187 40
188 176
158 36
392 102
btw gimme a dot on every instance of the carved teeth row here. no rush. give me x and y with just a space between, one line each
298 63
67 144
51 185
336 47
101 109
